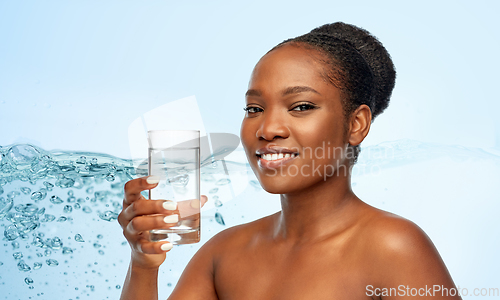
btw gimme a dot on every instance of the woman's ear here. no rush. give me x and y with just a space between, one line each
360 122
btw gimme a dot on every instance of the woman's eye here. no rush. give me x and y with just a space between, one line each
252 109
303 107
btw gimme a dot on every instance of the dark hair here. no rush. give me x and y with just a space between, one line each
358 64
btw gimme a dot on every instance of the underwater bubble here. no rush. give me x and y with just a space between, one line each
13 194
39 254
56 200
1 190
52 262
219 219
67 250
28 280
17 255
1 263
5 206
22 156
97 245
71 199
15 245
62 219
79 238
102 195
71 193
255 184
94 161
118 287
179 181
217 202
99 236
56 243
110 178
77 206
207 177
214 190
48 185
48 218
39 195
11 233
90 190
67 209
22 266
37 242
223 181
40 212
37 265
87 209
108 216
29 209
81 160
101 252
65 182
47 252
26 190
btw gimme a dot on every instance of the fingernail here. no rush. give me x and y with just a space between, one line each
171 219
153 179
167 246
170 205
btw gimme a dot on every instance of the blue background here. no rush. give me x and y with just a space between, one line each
75 74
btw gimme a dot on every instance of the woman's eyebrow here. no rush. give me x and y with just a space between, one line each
287 91
298 89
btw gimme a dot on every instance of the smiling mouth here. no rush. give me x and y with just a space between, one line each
275 160
276 156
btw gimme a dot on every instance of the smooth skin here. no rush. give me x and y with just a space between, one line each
325 243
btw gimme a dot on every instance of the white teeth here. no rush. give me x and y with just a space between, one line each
276 156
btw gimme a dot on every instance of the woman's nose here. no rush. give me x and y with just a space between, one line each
273 126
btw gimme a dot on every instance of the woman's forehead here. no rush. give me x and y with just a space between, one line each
288 66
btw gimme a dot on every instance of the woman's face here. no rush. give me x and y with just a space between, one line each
293 113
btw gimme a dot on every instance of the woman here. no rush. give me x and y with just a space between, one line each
310 103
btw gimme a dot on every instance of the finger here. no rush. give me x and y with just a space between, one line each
191 207
154 247
134 187
149 207
144 223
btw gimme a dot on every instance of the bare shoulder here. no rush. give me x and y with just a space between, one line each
392 234
240 235
400 252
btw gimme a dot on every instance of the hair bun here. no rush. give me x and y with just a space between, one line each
374 53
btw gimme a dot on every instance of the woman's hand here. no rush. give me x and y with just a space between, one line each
140 215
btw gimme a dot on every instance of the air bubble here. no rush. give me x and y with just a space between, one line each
219 219
26 190
56 200
52 262
79 238
223 181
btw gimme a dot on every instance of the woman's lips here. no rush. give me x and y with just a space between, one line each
273 164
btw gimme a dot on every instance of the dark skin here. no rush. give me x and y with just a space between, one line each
325 243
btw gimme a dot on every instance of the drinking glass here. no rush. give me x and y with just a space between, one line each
174 156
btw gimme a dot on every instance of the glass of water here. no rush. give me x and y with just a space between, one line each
174 156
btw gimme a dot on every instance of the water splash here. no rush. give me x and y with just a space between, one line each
38 188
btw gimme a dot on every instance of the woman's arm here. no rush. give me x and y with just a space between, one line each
140 284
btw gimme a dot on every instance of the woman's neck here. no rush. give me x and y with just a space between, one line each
316 213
